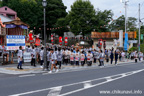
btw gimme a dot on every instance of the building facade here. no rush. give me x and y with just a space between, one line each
113 39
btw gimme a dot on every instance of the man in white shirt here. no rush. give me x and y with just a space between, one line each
68 55
89 58
123 56
72 55
28 49
77 57
33 55
53 60
20 58
42 57
59 58
82 58
1 49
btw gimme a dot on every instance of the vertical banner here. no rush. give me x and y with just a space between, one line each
126 42
52 40
66 41
60 40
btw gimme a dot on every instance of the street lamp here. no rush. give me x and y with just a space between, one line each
44 3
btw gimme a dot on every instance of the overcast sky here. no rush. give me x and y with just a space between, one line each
115 5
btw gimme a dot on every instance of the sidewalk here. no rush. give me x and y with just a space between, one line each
27 69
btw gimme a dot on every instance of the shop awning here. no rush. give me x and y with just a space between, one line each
16 23
13 26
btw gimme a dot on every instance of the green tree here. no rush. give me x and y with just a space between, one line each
55 11
28 11
81 16
0 3
132 23
102 20
119 24
61 22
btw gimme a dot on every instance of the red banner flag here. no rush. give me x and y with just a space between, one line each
52 39
66 41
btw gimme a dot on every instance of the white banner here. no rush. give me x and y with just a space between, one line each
27 57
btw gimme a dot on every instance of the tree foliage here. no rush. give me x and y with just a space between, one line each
81 16
102 20
136 48
84 18
119 24
64 26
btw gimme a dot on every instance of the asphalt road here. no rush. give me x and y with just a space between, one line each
125 80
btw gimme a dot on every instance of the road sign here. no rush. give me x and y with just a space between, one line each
133 41
14 41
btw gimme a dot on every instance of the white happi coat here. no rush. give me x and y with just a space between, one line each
82 56
77 56
72 55
89 57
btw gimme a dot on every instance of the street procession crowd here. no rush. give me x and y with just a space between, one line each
56 56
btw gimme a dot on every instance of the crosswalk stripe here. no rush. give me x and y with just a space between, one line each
87 84
55 91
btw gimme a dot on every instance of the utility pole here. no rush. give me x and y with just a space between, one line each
139 28
125 3
126 16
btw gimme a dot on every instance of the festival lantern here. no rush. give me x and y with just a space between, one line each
60 40
66 41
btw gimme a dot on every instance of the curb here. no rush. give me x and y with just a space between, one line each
15 71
